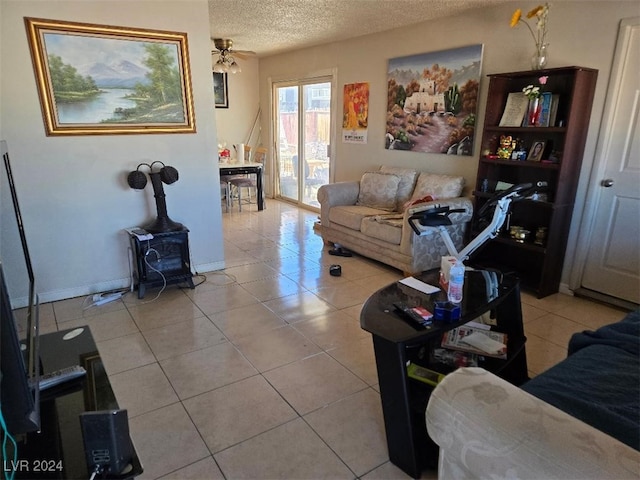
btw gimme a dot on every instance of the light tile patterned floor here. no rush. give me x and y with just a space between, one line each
263 371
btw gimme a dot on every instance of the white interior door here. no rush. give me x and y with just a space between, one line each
613 261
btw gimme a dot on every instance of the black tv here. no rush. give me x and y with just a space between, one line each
19 385
19 358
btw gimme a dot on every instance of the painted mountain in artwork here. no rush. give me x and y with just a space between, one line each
459 76
122 74
470 71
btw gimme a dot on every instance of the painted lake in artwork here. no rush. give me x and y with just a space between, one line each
95 110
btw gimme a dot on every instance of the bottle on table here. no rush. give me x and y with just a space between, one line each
456 282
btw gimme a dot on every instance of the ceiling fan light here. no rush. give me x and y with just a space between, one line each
225 63
234 67
220 66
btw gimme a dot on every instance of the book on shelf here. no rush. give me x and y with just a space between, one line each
515 110
545 109
553 111
476 340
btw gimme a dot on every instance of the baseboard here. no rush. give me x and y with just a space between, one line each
606 299
564 288
209 267
81 291
56 295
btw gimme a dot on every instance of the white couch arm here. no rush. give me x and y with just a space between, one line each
334 194
488 428
413 245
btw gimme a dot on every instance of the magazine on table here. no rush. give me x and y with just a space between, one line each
455 358
476 340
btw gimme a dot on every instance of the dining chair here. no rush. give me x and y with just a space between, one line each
248 182
225 190
231 189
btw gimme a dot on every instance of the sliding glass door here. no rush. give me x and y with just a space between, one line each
302 138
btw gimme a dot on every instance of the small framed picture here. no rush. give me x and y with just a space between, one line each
536 151
220 91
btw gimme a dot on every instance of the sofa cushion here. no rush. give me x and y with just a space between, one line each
408 178
387 230
438 186
351 216
378 190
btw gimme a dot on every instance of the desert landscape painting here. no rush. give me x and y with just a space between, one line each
432 101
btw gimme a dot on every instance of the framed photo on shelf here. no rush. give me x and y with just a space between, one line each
108 80
220 92
536 151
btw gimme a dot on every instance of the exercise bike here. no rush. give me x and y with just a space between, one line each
438 218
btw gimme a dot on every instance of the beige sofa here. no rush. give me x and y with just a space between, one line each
488 428
370 216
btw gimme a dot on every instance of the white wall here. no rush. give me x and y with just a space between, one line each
580 33
73 192
234 123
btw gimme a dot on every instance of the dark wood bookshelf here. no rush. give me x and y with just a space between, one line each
538 266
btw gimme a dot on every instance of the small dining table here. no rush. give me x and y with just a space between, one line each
238 168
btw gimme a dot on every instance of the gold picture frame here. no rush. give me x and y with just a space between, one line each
105 80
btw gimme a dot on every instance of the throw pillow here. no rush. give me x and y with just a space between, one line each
408 177
378 190
438 186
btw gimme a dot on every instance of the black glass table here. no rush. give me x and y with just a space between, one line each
57 450
397 340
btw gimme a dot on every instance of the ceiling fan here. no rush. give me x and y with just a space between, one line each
226 61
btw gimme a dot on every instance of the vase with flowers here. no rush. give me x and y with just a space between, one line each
541 14
533 93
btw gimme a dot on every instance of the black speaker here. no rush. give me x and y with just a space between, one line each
107 444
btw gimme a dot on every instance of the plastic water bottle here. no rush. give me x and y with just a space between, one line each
456 282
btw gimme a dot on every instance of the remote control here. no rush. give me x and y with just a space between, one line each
57 377
410 313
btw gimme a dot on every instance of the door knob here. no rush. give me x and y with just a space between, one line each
607 182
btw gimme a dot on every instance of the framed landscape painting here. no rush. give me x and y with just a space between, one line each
220 91
105 80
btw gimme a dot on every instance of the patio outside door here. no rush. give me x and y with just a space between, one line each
303 132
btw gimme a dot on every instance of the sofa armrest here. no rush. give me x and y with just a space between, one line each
334 194
488 428
456 230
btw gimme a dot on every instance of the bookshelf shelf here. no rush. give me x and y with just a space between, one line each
516 130
521 164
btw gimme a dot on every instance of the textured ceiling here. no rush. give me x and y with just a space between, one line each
268 27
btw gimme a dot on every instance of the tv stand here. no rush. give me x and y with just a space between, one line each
57 450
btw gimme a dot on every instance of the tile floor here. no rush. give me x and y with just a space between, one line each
263 371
